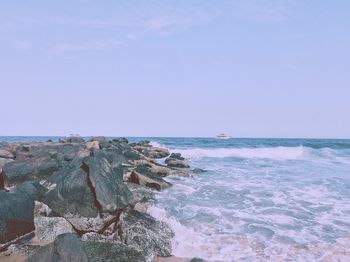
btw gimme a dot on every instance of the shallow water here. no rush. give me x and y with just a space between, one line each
260 199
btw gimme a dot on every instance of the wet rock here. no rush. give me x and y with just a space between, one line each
29 169
48 228
198 170
6 154
140 194
176 160
176 156
145 233
161 170
66 248
197 260
145 148
16 211
144 176
172 162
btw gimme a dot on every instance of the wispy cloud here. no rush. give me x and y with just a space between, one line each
64 48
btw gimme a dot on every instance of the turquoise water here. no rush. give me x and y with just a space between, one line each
260 199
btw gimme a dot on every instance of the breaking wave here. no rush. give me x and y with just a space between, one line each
277 153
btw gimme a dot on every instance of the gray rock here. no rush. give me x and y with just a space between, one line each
111 193
66 248
176 156
69 248
144 176
29 169
72 196
88 195
198 170
107 252
172 162
145 233
48 228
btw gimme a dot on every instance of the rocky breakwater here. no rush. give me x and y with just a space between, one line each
78 200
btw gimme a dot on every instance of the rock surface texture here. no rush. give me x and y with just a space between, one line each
84 200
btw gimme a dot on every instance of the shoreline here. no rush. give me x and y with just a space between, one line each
92 195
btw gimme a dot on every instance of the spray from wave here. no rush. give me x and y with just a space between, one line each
276 153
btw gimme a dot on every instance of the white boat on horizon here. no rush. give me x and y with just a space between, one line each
223 136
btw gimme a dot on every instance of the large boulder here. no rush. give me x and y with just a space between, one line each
146 233
88 195
69 248
16 211
143 175
29 169
111 193
114 252
66 248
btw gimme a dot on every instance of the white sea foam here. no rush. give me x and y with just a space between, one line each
276 153
156 144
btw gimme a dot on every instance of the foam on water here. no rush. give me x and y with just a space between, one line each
260 203
277 153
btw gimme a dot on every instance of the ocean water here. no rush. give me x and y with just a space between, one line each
259 199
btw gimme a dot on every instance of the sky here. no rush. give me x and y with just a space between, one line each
249 68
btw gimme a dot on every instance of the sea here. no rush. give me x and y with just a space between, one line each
257 199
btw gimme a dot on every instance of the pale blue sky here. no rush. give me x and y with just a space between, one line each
250 68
